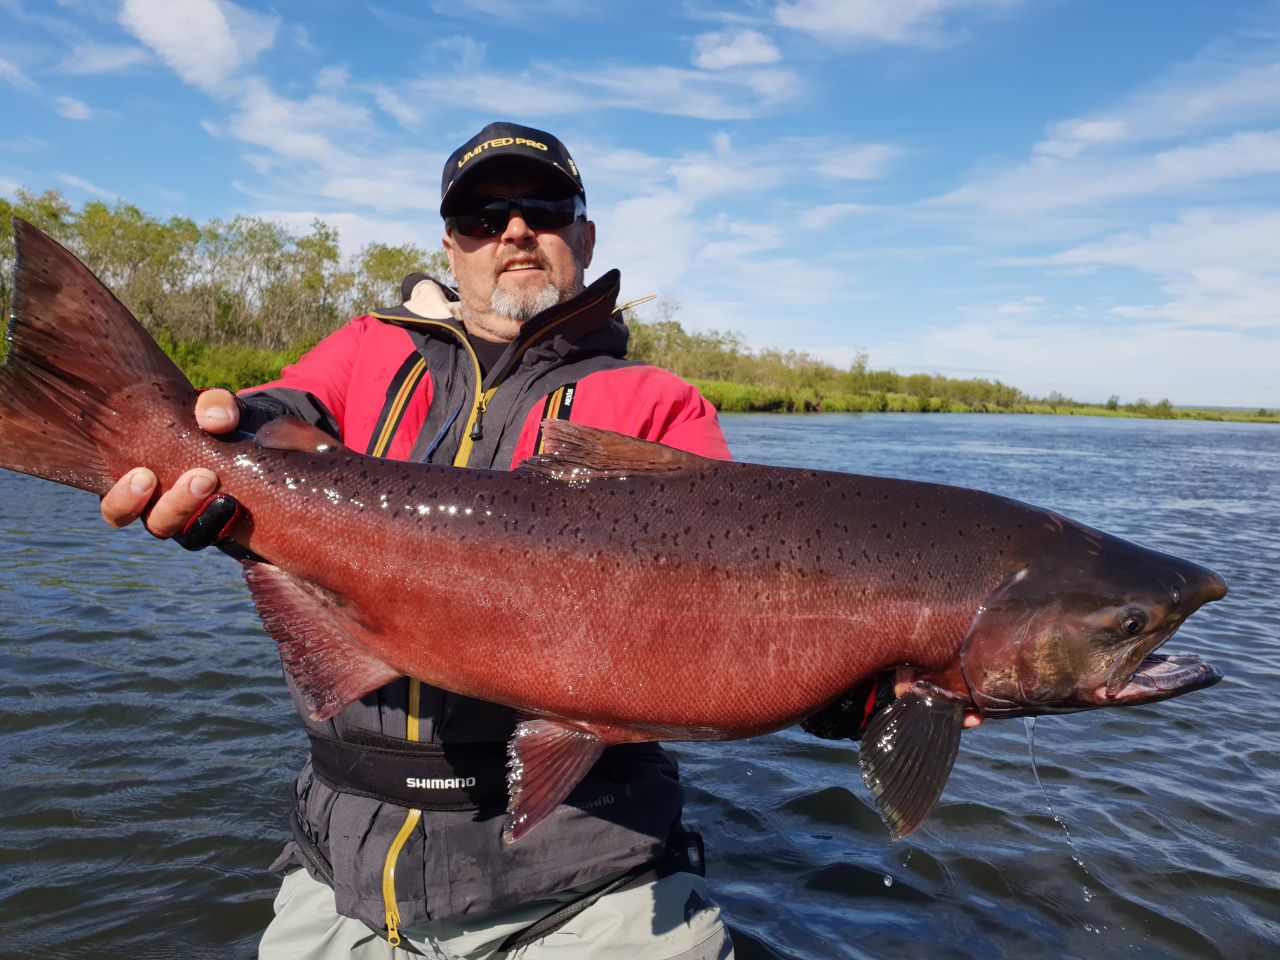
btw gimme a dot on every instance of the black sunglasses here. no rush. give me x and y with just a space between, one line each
491 219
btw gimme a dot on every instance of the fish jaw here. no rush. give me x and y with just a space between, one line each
1158 677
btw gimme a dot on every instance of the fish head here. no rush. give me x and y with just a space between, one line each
1076 628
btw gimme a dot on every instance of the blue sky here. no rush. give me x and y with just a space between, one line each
1072 196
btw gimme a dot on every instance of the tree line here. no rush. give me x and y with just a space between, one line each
234 300
242 282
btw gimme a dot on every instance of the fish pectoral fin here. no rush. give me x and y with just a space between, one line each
572 452
907 753
292 433
545 761
313 628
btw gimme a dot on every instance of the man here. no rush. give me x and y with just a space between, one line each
467 378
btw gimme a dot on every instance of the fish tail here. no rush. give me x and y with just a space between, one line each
79 371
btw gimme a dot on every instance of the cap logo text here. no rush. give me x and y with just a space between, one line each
500 142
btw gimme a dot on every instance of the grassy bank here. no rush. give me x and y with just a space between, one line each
730 397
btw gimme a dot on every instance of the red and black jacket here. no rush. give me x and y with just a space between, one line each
405 383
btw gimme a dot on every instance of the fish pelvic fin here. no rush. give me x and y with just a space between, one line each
78 369
546 759
574 452
315 630
907 753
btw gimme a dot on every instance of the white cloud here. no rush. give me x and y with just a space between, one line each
1217 269
393 104
1089 361
877 21
96 58
1068 181
72 108
466 53
1020 307
356 231
204 41
820 218
1070 137
739 239
733 48
627 232
389 191
858 161
90 188
1224 88
517 10
550 90
297 129
10 74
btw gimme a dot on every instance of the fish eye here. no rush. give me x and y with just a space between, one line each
1132 622
1175 597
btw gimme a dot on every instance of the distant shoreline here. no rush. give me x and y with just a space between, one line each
730 397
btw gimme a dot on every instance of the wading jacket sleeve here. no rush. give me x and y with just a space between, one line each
404 383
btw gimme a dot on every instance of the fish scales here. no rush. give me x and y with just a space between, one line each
617 590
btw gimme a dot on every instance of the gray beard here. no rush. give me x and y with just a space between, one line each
526 306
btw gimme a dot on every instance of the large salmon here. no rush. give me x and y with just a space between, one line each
615 590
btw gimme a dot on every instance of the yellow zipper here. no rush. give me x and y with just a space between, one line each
415 687
406 829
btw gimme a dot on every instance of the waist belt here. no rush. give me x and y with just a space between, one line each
427 776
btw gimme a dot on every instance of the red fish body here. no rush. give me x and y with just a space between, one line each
618 590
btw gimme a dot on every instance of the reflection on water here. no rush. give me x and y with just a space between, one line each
147 742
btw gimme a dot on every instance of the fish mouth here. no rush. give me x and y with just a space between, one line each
1160 677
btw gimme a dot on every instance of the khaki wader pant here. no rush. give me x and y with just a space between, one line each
668 919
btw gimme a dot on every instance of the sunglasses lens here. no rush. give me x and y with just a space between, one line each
491 219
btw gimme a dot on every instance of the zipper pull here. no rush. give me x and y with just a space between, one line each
477 428
393 928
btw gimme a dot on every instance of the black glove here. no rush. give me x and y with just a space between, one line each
211 523
850 713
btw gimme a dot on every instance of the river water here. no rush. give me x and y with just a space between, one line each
147 744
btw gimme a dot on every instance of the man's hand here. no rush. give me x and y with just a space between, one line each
849 715
905 676
216 412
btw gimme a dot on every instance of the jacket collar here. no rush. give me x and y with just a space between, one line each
558 328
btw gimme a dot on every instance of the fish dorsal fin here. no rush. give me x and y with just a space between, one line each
315 630
572 451
291 433
907 752
546 759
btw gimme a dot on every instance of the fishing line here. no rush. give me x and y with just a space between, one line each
1030 724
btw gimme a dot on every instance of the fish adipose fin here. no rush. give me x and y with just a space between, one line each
573 452
79 369
907 752
291 433
545 761
313 628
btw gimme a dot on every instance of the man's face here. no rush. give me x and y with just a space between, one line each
506 279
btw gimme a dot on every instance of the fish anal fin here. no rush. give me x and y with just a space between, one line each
575 452
546 759
315 630
292 433
907 753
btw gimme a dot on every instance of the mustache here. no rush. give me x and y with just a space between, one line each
524 256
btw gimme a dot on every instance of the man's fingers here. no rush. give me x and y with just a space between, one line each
128 499
903 677
181 502
217 411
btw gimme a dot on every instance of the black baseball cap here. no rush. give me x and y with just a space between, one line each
514 145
